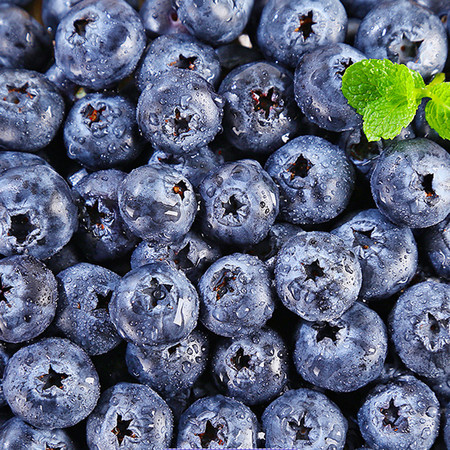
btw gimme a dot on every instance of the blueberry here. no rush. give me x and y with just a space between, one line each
192 254
101 132
160 17
252 368
217 422
437 247
420 328
314 177
406 33
99 42
51 384
291 28
10 159
214 21
4 358
154 305
239 203
85 291
172 368
401 414
410 183
130 416
179 111
318 87
31 109
317 276
235 295
70 90
387 253
260 112
102 234
178 51
16 434
158 203
303 418
344 354
28 298
24 43
38 216
194 165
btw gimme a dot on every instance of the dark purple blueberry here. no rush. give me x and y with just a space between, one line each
235 295
179 111
217 422
51 384
130 416
158 203
317 276
260 112
101 132
252 368
99 42
169 369
437 247
154 305
38 216
343 354
303 418
31 109
160 17
239 203
314 178
289 28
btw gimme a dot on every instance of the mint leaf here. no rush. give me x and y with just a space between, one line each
387 95
437 111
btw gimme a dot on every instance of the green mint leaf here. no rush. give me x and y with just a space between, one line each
387 95
437 111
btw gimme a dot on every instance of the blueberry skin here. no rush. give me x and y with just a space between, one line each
102 234
238 203
217 421
317 276
51 384
268 248
194 165
158 203
179 111
387 253
24 42
235 295
437 247
10 159
160 17
290 28
154 305
344 354
71 91
318 87
178 51
252 368
214 21
260 112
38 216
31 108
403 413
82 314
314 178
130 416
28 298
16 434
297 419
101 132
99 42
411 183
4 358
419 328
172 368
192 255
406 33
